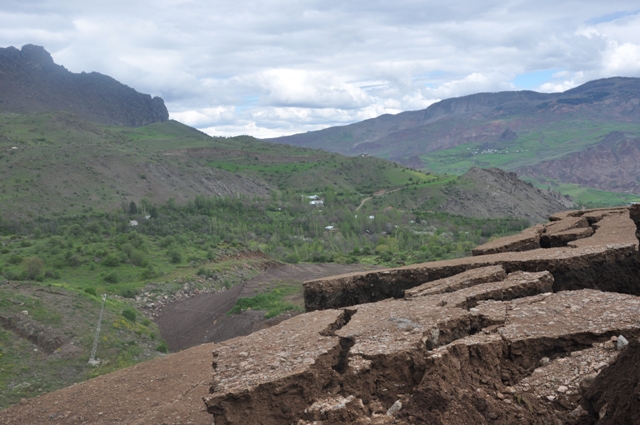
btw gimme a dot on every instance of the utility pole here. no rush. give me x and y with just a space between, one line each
92 359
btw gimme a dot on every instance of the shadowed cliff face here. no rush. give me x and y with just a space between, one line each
31 82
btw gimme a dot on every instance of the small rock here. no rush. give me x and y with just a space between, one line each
587 380
23 401
376 407
551 397
622 343
603 411
510 390
25 312
577 412
562 389
609 345
395 408
544 361
500 395
600 366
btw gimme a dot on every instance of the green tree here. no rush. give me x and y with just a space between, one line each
133 208
33 267
175 256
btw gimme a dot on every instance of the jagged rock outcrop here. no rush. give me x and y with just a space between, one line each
31 82
510 338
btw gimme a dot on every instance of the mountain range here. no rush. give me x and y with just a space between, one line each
588 136
67 145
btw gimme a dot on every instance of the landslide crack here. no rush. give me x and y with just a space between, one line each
345 342
340 322
343 358
520 363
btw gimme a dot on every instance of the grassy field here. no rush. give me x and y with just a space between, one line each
594 198
552 141
273 301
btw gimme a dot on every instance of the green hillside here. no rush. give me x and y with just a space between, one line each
588 137
58 163
543 143
209 213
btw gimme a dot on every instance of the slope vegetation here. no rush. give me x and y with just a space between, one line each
60 163
47 333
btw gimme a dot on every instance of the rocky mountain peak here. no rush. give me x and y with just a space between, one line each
36 55
30 81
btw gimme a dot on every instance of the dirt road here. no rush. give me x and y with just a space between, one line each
203 319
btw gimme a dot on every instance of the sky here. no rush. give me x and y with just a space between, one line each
276 67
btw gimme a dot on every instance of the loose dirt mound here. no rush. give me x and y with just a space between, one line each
203 318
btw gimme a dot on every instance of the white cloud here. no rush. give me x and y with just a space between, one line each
623 59
279 67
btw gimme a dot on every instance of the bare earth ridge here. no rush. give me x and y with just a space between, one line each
522 337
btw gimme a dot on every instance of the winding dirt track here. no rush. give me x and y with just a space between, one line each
167 390
203 319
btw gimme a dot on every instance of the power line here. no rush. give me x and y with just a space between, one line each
92 359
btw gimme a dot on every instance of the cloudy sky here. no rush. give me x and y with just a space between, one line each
274 67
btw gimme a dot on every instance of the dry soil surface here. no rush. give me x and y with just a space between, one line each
203 318
168 390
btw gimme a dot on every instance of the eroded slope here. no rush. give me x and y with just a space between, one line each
506 338
500 338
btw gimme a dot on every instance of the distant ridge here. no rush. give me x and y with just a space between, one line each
31 82
488 118
551 139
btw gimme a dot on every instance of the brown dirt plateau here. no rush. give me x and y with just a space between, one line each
536 336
